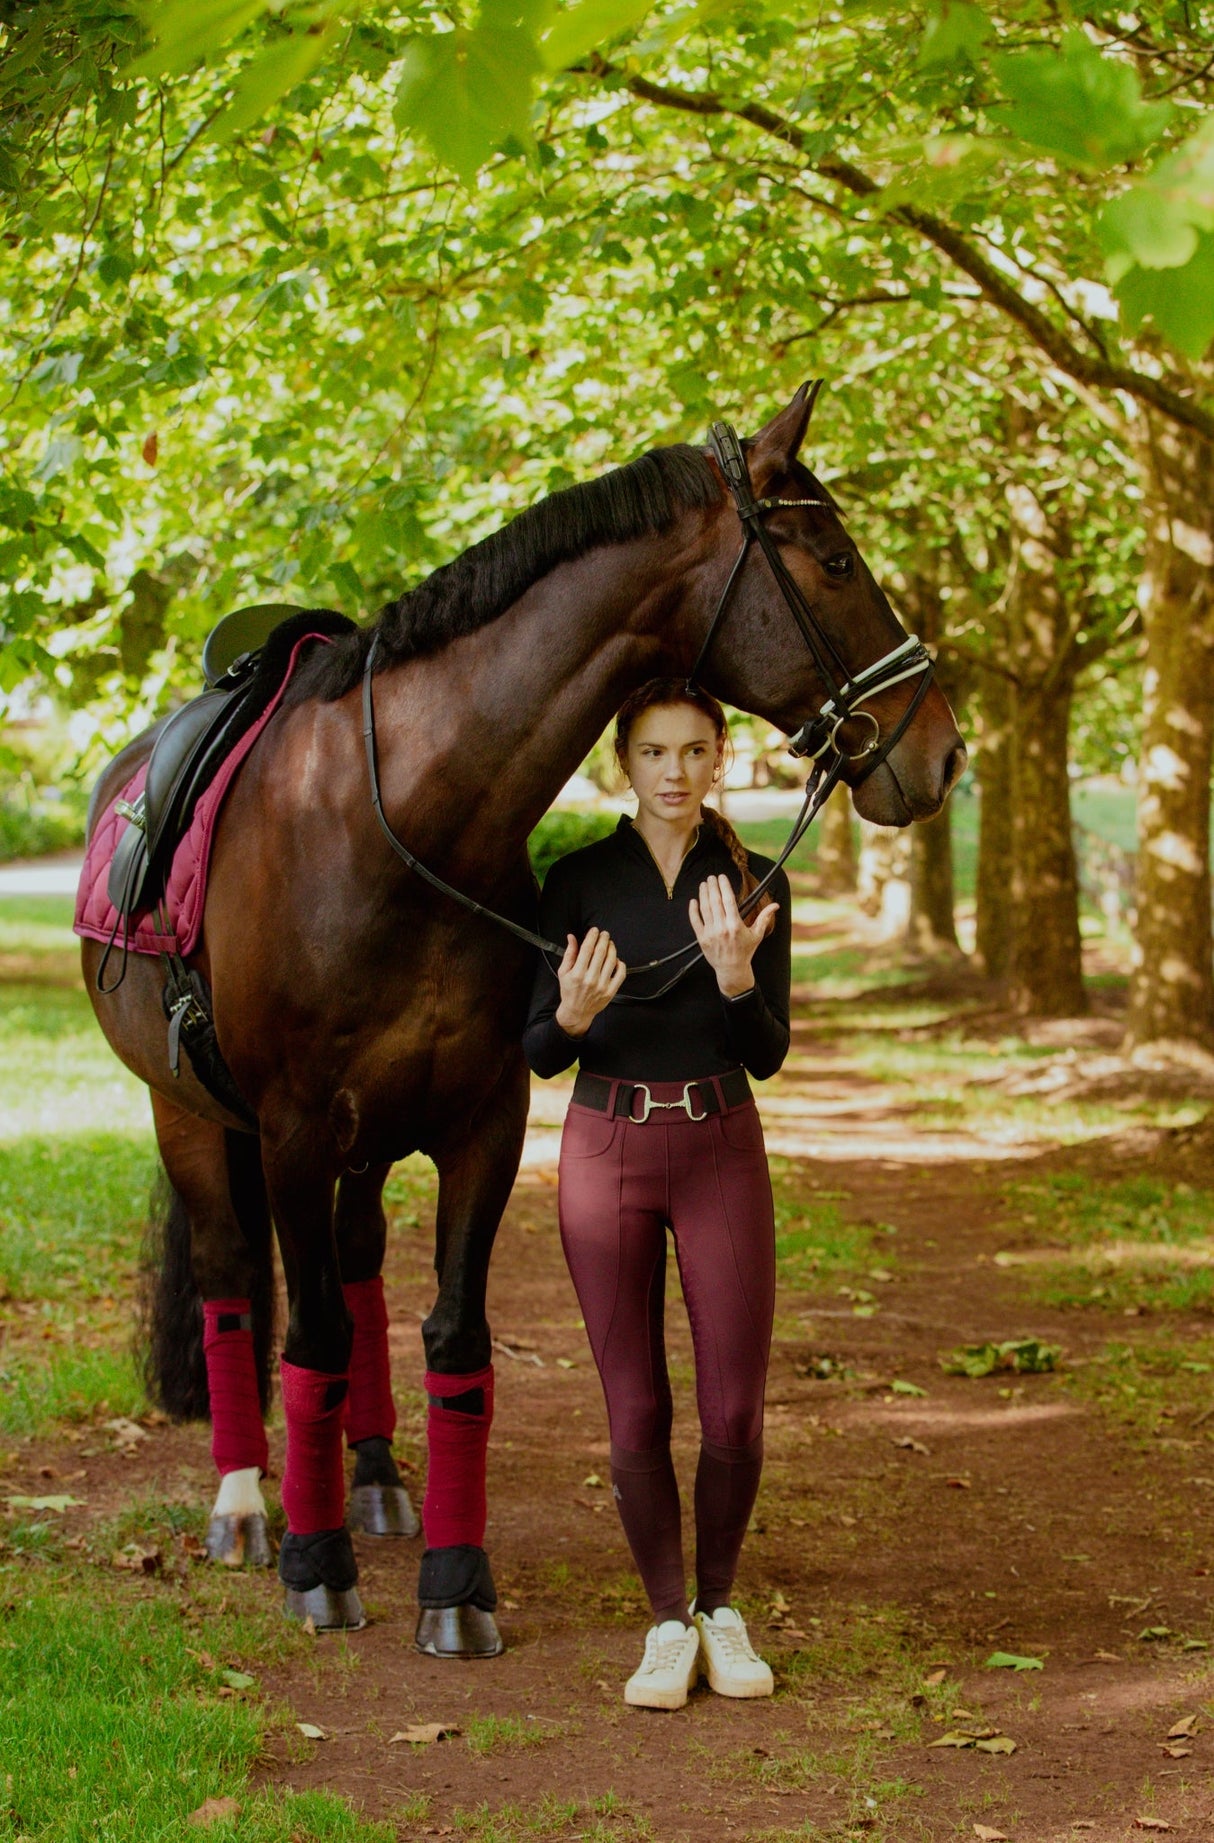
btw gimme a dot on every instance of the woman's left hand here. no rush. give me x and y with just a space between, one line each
727 939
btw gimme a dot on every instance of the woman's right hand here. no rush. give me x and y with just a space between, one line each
590 976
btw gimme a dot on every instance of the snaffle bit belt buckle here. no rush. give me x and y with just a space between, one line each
652 1106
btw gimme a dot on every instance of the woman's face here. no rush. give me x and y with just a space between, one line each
671 759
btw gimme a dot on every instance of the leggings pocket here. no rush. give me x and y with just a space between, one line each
588 1135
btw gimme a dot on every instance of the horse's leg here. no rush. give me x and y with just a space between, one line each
379 1504
476 1172
316 1559
217 1250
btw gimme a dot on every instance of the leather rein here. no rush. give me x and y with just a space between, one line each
818 737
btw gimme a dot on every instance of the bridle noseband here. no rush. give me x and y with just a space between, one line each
817 738
819 734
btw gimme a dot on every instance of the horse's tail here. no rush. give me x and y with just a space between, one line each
174 1364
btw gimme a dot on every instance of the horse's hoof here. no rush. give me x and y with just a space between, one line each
381 1510
239 1541
458 1631
329 1609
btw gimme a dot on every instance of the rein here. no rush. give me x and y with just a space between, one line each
817 738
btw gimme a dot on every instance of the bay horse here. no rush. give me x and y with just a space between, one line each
364 1016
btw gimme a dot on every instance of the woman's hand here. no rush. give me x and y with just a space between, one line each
728 941
590 976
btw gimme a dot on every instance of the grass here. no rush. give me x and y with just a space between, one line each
1132 1245
487 1734
1154 1389
813 1238
117 1725
604 1819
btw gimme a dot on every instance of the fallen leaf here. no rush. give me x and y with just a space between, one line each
422 1733
935 1677
238 1679
1024 1355
593 1481
958 1484
988 1835
1184 1729
565 1363
136 1560
311 1731
58 1503
215 1810
1084 1823
1008 1660
127 1433
1106 1657
1176 1750
997 1743
1151 1634
964 1715
953 1738
913 1446
1151 1823
309 1627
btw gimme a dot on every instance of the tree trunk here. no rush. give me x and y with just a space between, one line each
932 929
884 879
993 903
1046 961
1046 967
836 861
1172 990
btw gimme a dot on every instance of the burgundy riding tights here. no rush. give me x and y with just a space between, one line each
622 1185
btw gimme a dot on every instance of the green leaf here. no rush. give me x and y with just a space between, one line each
906 1388
1080 106
238 1679
465 92
1024 1356
1179 301
1008 1660
584 28
1156 223
953 31
183 31
58 1502
274 71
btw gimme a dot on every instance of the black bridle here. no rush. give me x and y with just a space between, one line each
817 738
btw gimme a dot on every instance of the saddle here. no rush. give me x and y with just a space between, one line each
243 662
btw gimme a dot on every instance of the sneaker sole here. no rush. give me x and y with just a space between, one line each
723 1686
667 1699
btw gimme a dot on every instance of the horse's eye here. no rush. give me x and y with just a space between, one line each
840 565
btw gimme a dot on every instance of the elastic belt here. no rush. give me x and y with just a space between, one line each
633 1100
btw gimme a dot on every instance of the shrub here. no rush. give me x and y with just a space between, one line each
558 833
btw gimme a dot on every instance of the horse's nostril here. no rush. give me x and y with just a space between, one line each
954 766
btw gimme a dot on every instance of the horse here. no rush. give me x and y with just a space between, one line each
364 1015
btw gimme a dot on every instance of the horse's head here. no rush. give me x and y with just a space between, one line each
761 660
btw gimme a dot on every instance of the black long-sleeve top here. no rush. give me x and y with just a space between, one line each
694 1030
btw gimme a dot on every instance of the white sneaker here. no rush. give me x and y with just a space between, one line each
668 1669
734 1668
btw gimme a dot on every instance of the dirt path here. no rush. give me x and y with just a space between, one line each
899 1540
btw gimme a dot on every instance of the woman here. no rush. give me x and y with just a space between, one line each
663 1133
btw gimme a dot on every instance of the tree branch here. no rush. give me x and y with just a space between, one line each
997 288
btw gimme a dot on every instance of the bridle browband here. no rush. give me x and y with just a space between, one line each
817 738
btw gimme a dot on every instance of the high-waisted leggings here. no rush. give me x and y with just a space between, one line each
623 1184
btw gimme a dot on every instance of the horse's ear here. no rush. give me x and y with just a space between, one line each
775 447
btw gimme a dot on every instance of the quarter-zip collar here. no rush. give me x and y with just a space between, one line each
628 830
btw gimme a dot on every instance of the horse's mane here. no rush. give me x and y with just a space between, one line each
480 584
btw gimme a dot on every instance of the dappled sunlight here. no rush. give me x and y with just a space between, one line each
1001 1417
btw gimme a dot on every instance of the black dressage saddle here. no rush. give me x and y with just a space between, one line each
244 662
